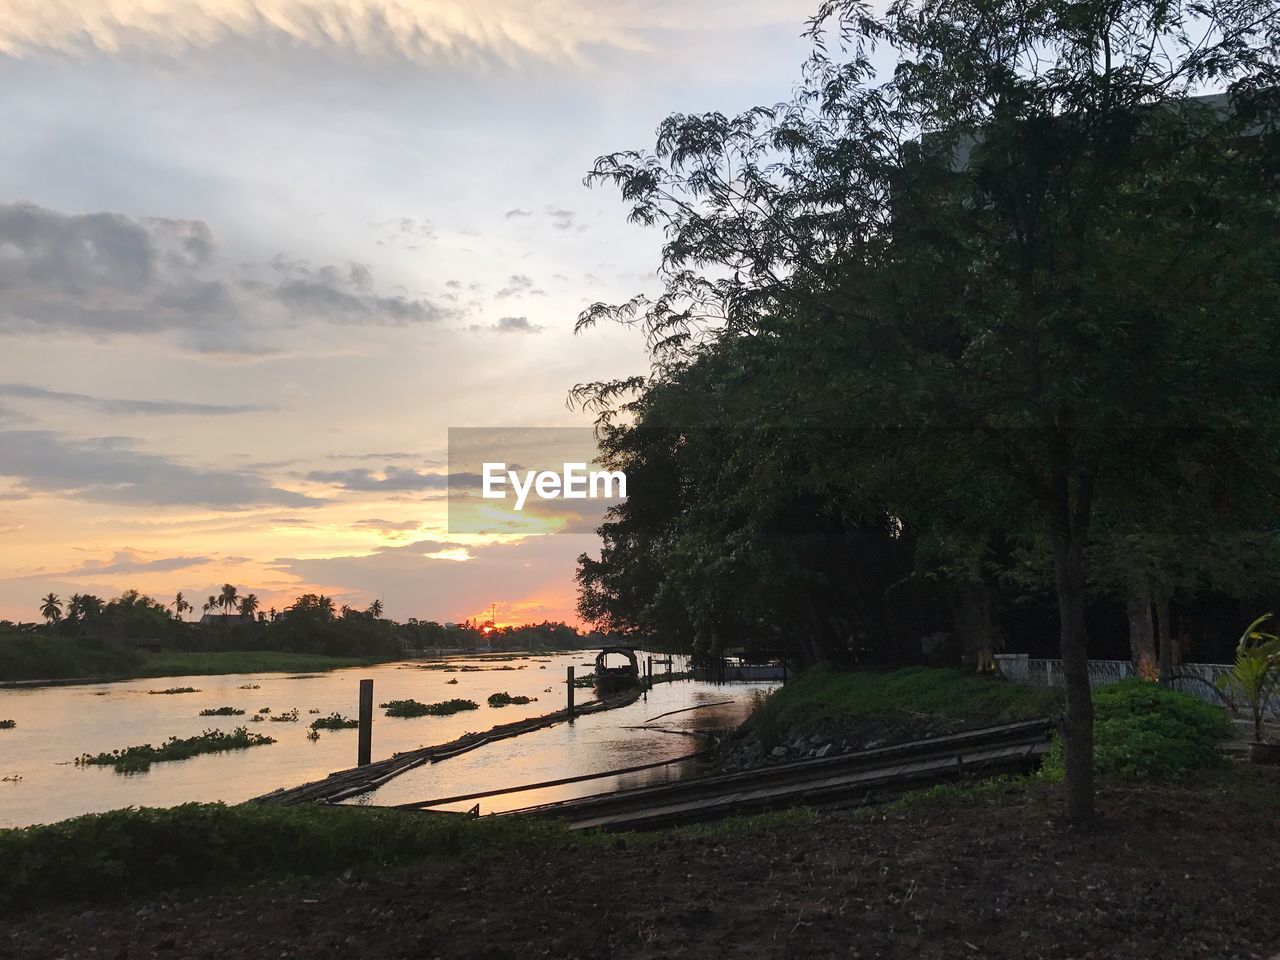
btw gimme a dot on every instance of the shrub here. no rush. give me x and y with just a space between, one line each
334 721
172 690
130 853
1144 731
8 724
413 708
139 759
504 698
221 712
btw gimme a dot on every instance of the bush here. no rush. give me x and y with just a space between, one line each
504 699
821 696
414 708
221 712
335 721
128 853
1145 731
139 759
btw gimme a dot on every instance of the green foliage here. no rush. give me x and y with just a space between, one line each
1143 731
8 724
413 708
504 698
173 690
288 716
139 759
1255 676
138 852
823 696
221 712
43 657
335 721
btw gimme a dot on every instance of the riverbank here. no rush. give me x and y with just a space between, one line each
1173 869
73 667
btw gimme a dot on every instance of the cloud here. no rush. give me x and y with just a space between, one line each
517 212
129 562
389 528
516 325
519 284
109 470
391 478
561 219
104 274
422 31
22 391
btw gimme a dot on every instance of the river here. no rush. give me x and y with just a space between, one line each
55 725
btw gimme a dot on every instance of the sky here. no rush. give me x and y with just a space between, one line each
257 257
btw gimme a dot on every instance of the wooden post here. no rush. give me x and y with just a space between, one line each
649 671
569 685
365 749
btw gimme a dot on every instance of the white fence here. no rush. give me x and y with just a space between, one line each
1197 679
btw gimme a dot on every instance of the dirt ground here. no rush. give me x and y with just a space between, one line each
1187 870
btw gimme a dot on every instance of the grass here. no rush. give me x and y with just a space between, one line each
138 852
334 721
139 759
823 697
1143 731
221 712
504 699
413 708
34 658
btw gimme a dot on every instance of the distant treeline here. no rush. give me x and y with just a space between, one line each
312 624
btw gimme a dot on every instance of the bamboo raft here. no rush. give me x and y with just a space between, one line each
852 779
345 784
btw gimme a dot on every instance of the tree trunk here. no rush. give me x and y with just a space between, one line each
1070 529
1142 647
971 610
1164 629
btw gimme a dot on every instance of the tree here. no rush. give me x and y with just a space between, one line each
375 608
210 604
229 598
1025 259
51 608
180 605
248 605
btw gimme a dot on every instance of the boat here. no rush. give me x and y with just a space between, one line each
616 679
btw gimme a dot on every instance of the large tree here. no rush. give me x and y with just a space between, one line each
1023 257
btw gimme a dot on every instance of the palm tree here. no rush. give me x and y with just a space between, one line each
180 605
229 598
75 606
325 607
375 608
248 605
51 608
210 603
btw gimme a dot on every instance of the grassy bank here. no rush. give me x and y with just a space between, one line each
129 853
826 698
35 659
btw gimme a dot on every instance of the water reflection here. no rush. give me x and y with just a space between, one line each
57 724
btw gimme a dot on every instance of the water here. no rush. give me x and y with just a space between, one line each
57 724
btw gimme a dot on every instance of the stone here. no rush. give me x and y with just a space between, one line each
778 753
823 751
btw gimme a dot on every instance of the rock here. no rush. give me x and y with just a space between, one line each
872 744
778 753
823 751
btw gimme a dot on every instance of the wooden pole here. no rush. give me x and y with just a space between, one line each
569 685
648 670
365 749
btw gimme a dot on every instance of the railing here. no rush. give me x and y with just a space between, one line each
1200 680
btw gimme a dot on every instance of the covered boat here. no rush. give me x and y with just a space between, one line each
622 677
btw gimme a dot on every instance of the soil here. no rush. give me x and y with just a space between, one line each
1185 870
